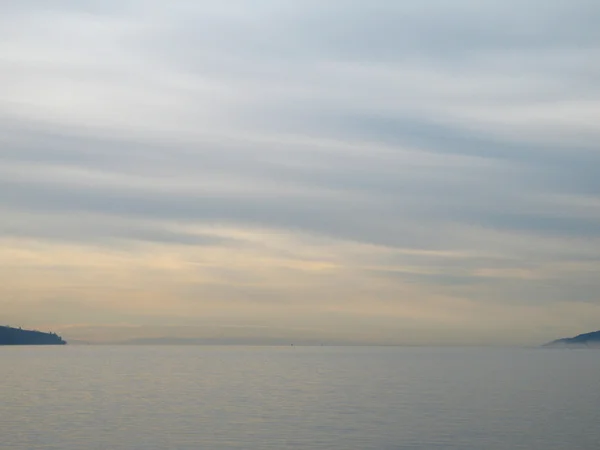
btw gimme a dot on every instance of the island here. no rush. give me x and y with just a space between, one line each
589 340
18 336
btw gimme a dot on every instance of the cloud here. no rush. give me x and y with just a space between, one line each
430 162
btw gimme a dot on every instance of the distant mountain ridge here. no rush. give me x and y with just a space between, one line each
582 340
18 336
167 340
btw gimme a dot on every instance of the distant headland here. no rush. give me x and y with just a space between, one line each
18 336
583 340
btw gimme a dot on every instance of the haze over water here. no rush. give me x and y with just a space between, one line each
222 398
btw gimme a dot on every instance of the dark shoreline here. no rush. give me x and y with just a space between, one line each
18 336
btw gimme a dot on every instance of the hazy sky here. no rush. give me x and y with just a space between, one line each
374 171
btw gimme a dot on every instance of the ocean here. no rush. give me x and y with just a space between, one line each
226 397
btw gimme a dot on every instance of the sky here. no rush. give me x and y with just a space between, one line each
377 172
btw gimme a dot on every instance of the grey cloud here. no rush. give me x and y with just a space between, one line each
542 223
376 199
109 231
392 31
430 135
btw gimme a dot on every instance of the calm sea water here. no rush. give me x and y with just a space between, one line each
84 398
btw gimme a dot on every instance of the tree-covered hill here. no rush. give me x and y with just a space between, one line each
583 340
18 336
